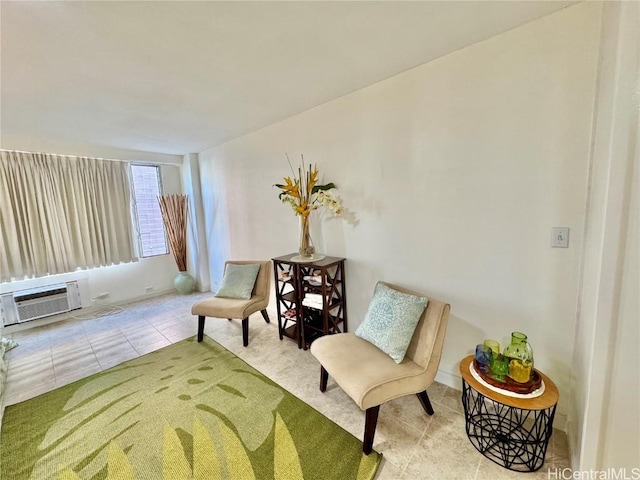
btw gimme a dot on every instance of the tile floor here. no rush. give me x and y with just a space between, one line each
414 445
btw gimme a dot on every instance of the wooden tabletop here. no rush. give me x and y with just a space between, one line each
547 400
326 261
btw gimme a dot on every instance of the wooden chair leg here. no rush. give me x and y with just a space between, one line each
324 376
245 331
370 429
424 400
265 316
200 328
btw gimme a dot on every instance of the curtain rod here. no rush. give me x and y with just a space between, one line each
94 158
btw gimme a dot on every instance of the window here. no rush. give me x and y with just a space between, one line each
146 189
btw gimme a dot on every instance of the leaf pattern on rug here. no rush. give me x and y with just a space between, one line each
118 464
174 463
205 455
286 463
231 457
65 473
227 459
146 392
368 466
159 417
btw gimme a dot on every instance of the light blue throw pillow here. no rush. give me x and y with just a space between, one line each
391 320
238 281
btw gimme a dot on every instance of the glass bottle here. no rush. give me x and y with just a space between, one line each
520 356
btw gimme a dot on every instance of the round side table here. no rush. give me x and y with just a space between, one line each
513 432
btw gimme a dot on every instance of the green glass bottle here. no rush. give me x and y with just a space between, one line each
520 356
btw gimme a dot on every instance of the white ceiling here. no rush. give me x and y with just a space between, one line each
183 76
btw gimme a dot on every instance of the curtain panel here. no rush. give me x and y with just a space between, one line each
59 214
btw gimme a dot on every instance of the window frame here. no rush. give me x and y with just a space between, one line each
135 215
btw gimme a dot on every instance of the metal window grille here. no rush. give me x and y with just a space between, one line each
146 189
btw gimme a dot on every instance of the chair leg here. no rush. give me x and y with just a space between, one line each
370 428
424 400
324 376
265 316
200 328
245 331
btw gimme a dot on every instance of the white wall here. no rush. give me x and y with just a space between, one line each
454 174
604 424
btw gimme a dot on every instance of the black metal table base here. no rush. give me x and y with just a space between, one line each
512 437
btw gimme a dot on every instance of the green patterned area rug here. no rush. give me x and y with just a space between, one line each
189 411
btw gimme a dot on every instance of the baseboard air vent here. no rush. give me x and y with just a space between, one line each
24 305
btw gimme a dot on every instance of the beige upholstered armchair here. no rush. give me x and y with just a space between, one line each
235 308
371 377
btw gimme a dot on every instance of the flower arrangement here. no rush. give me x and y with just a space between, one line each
305 194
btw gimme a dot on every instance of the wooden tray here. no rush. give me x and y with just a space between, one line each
511 385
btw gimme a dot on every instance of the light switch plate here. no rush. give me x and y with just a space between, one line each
560 237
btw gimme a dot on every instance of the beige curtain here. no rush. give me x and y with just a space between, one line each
58 214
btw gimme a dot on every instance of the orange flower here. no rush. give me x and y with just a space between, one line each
304 194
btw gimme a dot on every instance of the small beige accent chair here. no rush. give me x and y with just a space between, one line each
370 377
231 308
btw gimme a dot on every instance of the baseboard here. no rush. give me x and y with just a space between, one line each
560 421
449 379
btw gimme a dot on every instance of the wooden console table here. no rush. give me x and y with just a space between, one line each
311 298
513 432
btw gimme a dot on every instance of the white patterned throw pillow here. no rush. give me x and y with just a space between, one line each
238 280
391 320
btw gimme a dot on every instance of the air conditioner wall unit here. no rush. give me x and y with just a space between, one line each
25 305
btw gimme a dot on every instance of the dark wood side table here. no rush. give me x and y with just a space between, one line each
322 280
512 432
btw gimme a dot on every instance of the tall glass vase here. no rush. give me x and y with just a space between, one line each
306 249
